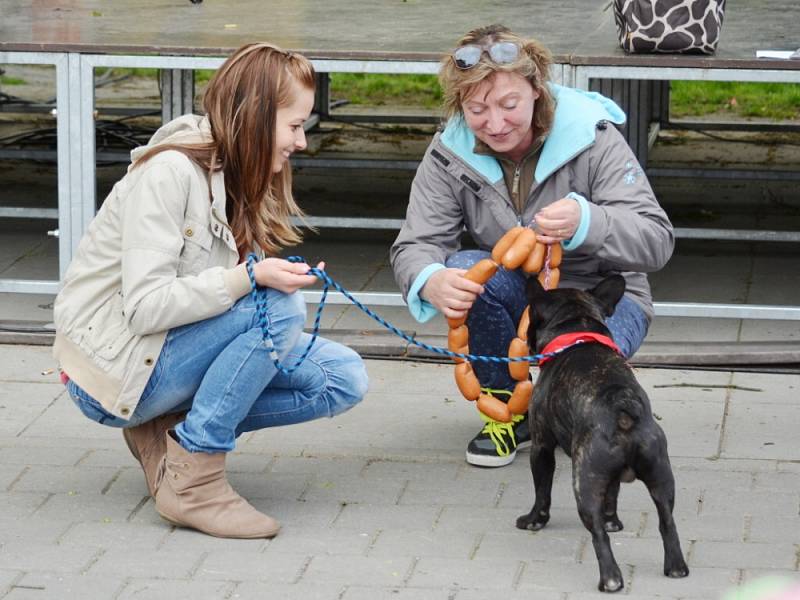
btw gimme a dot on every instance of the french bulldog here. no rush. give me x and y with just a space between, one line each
587 401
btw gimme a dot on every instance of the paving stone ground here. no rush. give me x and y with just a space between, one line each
379 503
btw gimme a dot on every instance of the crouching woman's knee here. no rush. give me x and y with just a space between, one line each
347 380
296 312
287 316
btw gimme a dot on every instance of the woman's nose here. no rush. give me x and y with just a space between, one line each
300 140
494 122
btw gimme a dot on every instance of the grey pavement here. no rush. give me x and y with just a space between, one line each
380 503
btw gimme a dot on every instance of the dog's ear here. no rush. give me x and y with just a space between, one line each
608 292
534 291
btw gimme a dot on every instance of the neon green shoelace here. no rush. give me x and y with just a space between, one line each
499 431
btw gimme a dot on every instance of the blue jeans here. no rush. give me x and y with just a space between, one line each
494 317
220 372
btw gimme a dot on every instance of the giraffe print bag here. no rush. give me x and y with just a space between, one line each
686 26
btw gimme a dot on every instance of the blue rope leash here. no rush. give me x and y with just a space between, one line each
260 299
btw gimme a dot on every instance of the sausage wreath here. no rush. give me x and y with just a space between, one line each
518 248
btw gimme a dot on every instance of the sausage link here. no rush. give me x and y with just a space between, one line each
518 370
462 350
535 260
454 323
457 338
520 398
556 253
481 271
524 324
552 276
504 243
520 249
467 382
494 408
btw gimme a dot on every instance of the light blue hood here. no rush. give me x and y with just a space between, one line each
574 124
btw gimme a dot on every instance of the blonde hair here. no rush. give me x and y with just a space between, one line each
242 101
533 64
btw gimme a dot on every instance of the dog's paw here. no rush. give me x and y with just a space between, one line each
612 583
677 570
532 521
613 524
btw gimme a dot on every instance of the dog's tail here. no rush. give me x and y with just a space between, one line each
624 404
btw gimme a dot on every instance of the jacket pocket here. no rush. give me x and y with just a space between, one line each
106 332
197 242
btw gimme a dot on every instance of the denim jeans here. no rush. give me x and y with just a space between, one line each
495 314
220 372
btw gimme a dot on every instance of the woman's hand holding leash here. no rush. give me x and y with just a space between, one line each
284 276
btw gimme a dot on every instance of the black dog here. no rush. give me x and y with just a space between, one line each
587 401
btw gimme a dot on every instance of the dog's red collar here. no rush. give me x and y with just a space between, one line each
566 340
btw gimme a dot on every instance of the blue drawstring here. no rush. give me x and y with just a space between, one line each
260 299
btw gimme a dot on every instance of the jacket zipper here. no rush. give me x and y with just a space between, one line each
515 186
515 193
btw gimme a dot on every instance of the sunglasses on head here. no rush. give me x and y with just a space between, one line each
501 53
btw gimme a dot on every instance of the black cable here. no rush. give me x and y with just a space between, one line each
720 138
9 99
740 141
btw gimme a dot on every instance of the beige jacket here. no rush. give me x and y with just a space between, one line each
158 254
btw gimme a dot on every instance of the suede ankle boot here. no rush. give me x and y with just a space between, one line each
194 492
146 443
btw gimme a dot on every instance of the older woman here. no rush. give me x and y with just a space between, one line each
519 150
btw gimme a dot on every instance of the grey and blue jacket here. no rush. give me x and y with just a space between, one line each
622 229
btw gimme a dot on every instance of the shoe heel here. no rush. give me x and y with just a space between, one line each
126 435
170 521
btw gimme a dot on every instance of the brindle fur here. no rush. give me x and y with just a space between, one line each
588 402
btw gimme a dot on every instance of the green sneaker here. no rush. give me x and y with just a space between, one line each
497 443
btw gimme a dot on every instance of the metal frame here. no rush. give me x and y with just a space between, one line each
662 309
66 130
581 74
177 93
626 85
77 153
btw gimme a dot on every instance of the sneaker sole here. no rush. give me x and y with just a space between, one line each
484 460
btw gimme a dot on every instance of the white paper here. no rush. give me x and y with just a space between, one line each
782 54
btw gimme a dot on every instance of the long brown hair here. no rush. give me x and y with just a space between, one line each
241 101
533 64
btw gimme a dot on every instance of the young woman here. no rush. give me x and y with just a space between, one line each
519 150
156 331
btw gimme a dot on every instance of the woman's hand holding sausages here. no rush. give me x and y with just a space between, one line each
558 221
450 292
284 276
